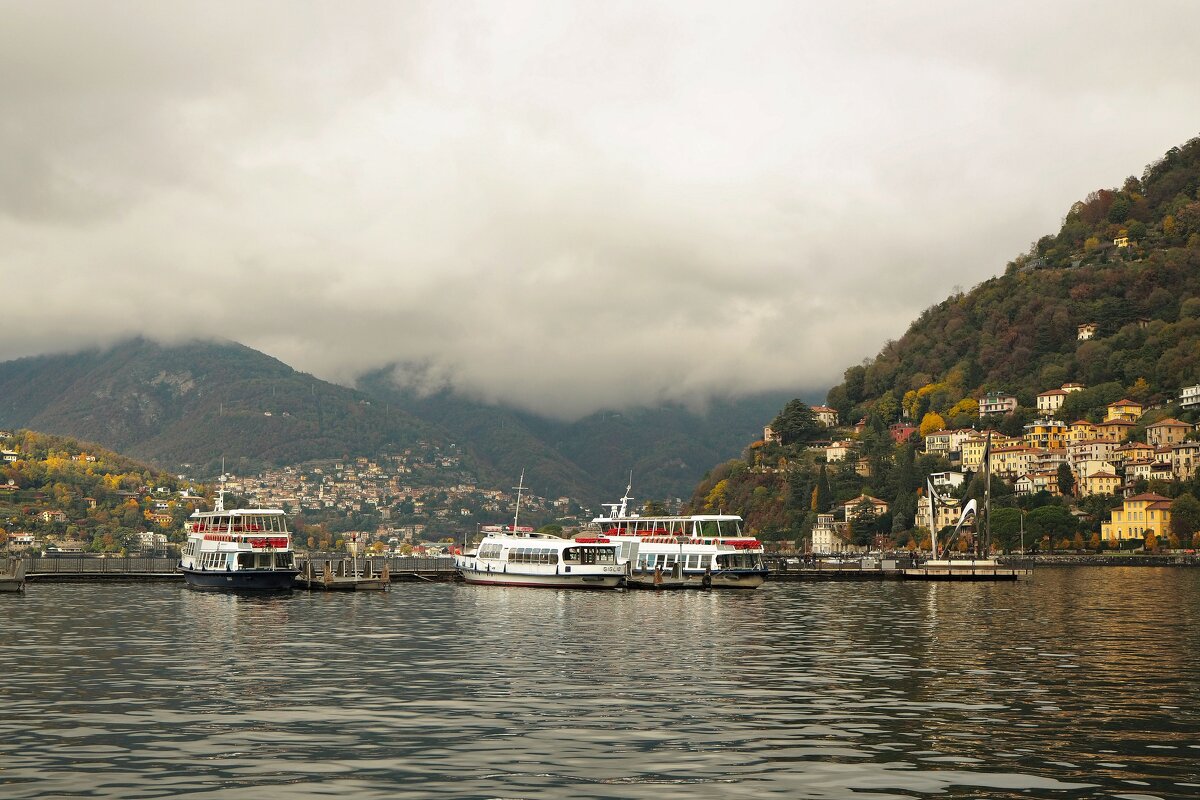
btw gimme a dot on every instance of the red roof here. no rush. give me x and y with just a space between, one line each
1169 422
1151 497
1051 393
1122 403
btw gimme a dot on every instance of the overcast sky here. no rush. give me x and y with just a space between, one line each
560 205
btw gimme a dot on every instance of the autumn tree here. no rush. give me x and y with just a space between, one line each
931 423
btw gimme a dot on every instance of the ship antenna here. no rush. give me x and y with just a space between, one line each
625 500
219 504
519 487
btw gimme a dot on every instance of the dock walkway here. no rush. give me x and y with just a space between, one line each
151 568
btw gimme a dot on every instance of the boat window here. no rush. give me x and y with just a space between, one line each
705 560
245 560
693 561
660 560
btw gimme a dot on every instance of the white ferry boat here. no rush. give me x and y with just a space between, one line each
698 551
516 556
238 549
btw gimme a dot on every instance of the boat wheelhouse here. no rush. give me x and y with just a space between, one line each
238 549
697 551
516 556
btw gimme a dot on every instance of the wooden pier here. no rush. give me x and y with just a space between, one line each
44 569
342 575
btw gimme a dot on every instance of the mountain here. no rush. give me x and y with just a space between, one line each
197 403
667 448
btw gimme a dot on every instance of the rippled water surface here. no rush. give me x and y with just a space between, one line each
1080 683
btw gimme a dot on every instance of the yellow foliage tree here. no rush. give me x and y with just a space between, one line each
715 499
967 405
931 423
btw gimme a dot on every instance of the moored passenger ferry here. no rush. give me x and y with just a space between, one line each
525 558
516 556
698 551
240 549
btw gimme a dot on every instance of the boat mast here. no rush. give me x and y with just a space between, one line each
519 487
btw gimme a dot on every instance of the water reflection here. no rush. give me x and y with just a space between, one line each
1081 683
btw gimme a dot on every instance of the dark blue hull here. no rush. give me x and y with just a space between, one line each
242 580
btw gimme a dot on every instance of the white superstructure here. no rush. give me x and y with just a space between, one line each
521 557
705 550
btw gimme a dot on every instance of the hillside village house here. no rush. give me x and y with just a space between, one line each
1189 396
946 442
1047 433
838 451
1011 462
1167 432
901 432
1185 458
973 446
1095 450
769 435
1102 481
851 508
1115 430
827 536
1132 451
53 515
1037 482
1124 409
1138 516
1081 430
826 416
997 403
1086 331
9 455
1051 401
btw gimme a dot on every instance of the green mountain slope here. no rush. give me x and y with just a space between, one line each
667 447
61 489
1018 332
197 403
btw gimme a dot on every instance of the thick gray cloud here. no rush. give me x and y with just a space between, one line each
564 206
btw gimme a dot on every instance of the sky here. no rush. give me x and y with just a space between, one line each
560 206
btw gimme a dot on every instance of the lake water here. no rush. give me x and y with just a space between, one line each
1080 683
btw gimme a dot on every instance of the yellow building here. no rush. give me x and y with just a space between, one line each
1099 482
1049 434
1140 515
1115 430
1124 409
1081 431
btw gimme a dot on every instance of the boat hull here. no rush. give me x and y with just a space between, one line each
725 579
542 581
242 580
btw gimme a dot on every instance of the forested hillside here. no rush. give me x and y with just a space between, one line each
58 489
1125 264
1018 332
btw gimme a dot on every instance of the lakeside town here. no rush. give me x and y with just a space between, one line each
1122 458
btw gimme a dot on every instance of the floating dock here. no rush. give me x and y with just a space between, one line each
342 575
